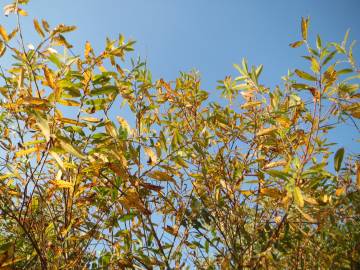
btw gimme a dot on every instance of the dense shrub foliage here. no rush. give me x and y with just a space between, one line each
248 182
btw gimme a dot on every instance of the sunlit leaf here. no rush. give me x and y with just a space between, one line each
299 200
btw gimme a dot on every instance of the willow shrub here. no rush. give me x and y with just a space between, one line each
248 182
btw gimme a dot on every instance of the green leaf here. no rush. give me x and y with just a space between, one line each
305 76
329 57
299 86
278 174
127 217
318 42
104 90
344 71
338 158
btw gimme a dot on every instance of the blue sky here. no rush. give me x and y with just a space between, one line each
208 35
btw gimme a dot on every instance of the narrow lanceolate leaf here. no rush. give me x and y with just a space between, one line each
304 28
110 129
299 86
22 12
71 121
275 164
266 131
43 125
338 159
105 90
161 176
62 184
34 101
58 160
315 66
152 156
87 49
252 104
305 76
90 119
2 48
46 25
3 34
271 192
310 200
38 28
49 77
69 102
124 124
71 149
26 152
299 200
307 217
296 44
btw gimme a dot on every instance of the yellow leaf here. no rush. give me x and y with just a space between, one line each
275 164
12 261
38 28
252 104
171 230
87 49
132 199
43 126
310 200
62 184
161 176
21 78
278 219
34 101
152 156
46 26
283 122
299 200
271 192
25 152
58 160
3 33
307 216
49 77
124 124
68 102
71 149
266 131
246 192
2 48
110 129
71 121
22 12
304 28
6 176
90 119
340 191
315 66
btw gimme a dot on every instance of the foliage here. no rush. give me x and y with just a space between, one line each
251 182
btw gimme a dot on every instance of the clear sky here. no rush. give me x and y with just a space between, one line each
208 35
